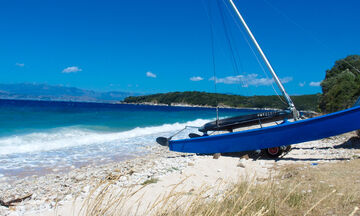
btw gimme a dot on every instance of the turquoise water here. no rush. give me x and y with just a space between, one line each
19 117
37 135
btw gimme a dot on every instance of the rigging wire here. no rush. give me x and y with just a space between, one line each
251 48
310 34
227 37
211 27
253 52
236 63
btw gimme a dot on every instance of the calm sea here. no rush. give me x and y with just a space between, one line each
42 135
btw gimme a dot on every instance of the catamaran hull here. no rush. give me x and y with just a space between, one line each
273 136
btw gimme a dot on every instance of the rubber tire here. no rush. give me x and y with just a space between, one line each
273 152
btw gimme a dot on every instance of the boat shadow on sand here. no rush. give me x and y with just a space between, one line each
351 143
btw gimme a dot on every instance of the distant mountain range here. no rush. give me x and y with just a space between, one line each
32 91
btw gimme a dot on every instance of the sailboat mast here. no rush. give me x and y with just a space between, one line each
276 78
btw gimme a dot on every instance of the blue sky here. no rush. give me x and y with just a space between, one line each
160 45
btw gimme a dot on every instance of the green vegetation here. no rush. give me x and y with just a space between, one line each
302 102
150 181
341 86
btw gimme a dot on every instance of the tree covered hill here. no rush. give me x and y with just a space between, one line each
341 88
302 102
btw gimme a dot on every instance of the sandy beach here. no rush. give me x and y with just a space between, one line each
154 175
93 95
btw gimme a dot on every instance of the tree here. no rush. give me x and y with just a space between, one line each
341 86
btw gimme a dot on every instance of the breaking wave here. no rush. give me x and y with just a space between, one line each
68 137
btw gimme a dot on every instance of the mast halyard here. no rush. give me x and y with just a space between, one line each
276 78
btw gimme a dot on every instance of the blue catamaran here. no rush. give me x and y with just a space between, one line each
273 139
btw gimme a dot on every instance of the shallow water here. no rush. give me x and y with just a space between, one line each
36 136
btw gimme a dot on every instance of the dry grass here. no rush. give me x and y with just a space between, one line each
325 189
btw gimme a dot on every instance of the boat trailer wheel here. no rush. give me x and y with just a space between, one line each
273 152
276 151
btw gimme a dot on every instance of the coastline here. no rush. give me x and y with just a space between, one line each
57 193
198 106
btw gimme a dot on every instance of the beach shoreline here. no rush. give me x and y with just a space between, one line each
48 189
59 191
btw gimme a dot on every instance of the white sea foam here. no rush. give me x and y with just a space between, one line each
62 138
